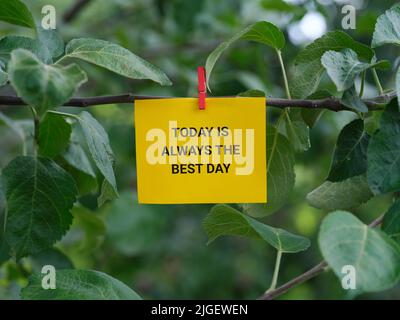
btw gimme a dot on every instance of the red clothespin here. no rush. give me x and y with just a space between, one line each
201 77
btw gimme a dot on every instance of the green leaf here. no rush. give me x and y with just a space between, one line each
266 33
5 250
54 135
10 43
350 156
225 220
53 257
107 193
262 32
371 121
92 225
79 166
387 28
5 254
297 130
398 85
345 240
391 221
343 67
280 175
353 101
126 220
27 128
382 65
13 125
42 86
2 200
3 74
346 194
75 154
383 155
311 116
308 69
252 93
39 197
99 146
77 158
51 40
283 6
114 58
85 183
79 285
16 12
3 78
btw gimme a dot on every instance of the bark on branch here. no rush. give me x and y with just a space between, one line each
74 11
313 272
333 104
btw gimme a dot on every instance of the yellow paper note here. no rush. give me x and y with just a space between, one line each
187 155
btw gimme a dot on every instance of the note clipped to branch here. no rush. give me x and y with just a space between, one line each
187 155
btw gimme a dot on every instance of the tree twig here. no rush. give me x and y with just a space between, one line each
313 272
73 12
332 103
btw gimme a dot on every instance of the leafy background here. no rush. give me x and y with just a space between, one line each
161 251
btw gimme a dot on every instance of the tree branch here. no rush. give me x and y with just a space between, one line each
313 272
73 12
332 103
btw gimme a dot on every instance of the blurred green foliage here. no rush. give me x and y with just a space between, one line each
161 251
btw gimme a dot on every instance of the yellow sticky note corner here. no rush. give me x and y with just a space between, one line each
187 155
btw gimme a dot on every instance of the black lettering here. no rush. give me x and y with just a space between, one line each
193 131
183 168
226 166
165 151
184 132
199 165
175 168
175 131
224 131
202 132
209 130
218 169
